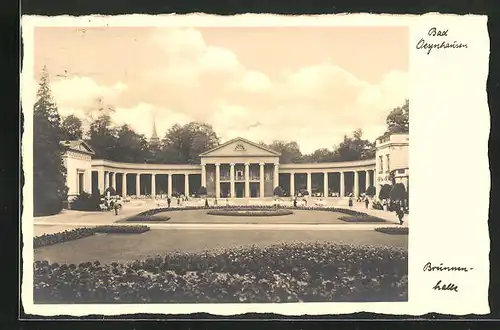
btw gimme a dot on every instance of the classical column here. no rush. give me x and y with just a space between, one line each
88 174
342 185
261 179
276 176
204 175
217 180
356 184
169 183
367 180
186 184
153 185
292 184
124 184
100 181
247 180
106 180
112 180
325 184
309 183
231 178
138 184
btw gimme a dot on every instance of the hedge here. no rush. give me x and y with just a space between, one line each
393 230
362 218
71 235
299 272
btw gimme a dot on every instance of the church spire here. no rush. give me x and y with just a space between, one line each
154 136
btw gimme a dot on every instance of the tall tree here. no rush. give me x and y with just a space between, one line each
72 128
130 146
48 168
183 144
290 151
355 148
102 137
398 120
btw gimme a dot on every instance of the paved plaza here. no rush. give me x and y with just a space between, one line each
197 219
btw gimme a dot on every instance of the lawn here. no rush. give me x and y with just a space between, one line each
108 248
298 217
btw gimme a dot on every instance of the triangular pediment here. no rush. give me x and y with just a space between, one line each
78 145
240 147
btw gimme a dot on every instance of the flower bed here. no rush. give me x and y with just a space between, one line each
121 229
65 236
361 218
282 273
250 207
71 235
250 212
393 230
148 218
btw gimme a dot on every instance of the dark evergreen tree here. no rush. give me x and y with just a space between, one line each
49 172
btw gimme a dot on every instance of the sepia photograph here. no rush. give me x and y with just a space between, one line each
220 164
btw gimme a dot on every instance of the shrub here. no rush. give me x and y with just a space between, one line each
111 190
85 202
300 272
398 192
393 230
371 191
202 191
278 191
71 235
385 191
362 218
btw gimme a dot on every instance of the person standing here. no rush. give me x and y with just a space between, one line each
206 203
295 202
367 202
350 201
400 214
169 201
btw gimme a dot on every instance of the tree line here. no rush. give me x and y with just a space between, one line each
181 144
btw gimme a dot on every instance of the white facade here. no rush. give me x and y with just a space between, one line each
392 154
238 168
78 162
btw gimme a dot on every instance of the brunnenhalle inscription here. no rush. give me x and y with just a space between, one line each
440 285
434 43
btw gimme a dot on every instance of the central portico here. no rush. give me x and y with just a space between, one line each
240 168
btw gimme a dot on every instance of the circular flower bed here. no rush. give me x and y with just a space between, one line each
250 212
299 272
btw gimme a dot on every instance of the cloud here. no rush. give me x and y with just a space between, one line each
182 78
141 116
74 95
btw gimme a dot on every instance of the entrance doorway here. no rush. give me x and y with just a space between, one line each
224 189
254 189
239 189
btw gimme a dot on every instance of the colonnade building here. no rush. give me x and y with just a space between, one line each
238 168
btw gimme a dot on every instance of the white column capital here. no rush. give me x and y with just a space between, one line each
262 164
232 164
247 164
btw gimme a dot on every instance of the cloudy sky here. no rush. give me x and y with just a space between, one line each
307 84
